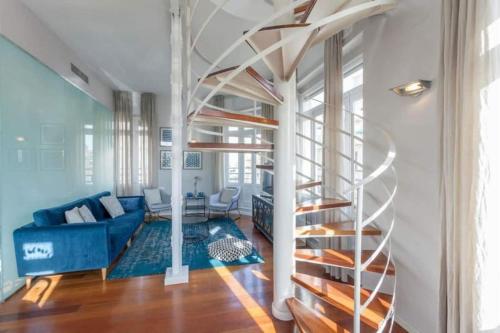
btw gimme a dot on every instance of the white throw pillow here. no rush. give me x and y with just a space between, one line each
73 216
153 196
227 195
86 214
113 206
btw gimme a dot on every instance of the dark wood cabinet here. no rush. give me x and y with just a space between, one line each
262 215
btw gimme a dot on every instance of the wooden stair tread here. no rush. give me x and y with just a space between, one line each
284 61
341 296
317 205
318 9
310 321
343 259
247 84
230 147
224 118
310 184
333 229
369 8
264 167
302 8
306 10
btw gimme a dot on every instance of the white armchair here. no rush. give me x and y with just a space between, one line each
157 201
216 205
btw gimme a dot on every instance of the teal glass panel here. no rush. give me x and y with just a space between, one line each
56 145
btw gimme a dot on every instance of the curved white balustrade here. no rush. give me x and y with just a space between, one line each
235 45
363 220
365 8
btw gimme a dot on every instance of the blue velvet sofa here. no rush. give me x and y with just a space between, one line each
51 246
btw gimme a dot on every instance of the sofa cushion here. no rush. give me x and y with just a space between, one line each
97 208
153 196
120 231
227 195
113 206
56 215
219 206
136 218
86 214
73 216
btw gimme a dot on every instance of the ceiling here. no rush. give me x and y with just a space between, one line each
128 41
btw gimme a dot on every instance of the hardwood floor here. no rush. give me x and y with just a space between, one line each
236 299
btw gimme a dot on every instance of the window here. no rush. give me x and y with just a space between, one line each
353 105
310 120
310 130
88 154
241 166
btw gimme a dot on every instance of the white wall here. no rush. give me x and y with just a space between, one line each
399 47
165 176
22 27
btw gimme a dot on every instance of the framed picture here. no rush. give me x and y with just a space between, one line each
52 160
193 160
52 134
166 136
165 160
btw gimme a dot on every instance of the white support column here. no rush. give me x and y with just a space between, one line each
177 273
284 199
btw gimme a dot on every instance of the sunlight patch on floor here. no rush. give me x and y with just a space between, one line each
260 275
261 318
42 289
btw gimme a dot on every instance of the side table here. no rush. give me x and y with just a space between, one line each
194 206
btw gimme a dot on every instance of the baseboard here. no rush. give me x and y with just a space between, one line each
246 211
8 292
405 325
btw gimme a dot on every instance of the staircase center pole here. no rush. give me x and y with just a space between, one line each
284 198
177 273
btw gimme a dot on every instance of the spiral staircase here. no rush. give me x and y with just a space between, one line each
318 300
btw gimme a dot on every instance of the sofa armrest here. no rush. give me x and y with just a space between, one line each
132 203
61 248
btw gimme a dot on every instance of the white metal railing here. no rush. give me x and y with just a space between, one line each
355 188
343 14
234 46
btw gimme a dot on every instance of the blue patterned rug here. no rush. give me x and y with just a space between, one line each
151 252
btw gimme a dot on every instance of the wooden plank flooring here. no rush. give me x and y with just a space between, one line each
233 300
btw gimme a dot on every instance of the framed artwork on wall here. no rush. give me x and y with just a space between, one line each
52 134
165 160
166 136
193 160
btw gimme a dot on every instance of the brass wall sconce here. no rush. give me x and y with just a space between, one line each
415 88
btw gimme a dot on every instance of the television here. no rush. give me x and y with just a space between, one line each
267 183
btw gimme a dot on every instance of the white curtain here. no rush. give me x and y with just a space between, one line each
333 112
267 135
123 142
471 165
148 163
332 121
219 157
